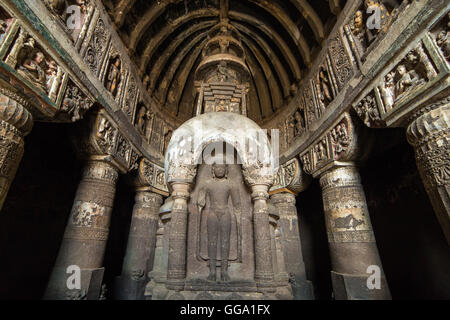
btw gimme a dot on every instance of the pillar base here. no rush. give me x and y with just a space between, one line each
354 287
91 285
127 288
303 290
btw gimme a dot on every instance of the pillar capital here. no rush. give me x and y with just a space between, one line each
13 110
148 199
342 175
429 134
283 198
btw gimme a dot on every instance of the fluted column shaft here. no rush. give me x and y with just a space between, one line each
15 123
176 272
140 246
429 134
86 234
291 243
264 275
351 240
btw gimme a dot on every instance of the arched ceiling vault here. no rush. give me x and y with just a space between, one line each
280 37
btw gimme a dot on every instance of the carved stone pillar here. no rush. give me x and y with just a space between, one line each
15 123
86 234
140 247
291 243
350 236
264 275
429 134
176 272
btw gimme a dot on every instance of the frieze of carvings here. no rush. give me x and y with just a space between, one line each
141 119
367 110
441 34
340 62
157 134
30 61
338 144
97 47
324 90
131 94
295 125
75 103
65 10
114 76
310 104
410 74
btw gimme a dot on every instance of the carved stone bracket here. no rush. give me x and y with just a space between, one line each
101 139
339 144
290 178
151 175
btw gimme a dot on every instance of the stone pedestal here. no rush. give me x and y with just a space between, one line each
86 234
176 272
15 123
291 245
429 134
140 247
352 244
264 275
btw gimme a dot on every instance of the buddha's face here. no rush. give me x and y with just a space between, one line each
219 170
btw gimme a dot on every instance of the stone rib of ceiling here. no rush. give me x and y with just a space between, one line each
281 38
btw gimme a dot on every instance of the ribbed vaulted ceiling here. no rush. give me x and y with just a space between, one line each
281 38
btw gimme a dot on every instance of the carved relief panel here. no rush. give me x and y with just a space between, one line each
441 35
75 103
34 64
95 51
157 134
414 71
